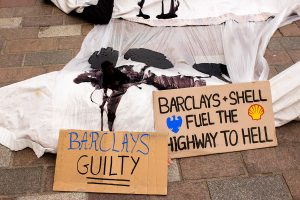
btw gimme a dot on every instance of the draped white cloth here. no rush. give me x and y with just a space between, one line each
33 111
204 12
68 6
190 12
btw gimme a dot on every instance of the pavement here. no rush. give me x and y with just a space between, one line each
36 38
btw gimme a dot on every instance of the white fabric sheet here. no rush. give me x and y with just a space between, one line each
33 111
204 12
286 95
68 6
190 12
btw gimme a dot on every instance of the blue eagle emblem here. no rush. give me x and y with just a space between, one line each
174 124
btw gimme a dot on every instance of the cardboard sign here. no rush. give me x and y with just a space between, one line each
216 119
111 162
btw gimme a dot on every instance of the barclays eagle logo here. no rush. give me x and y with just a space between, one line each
174 124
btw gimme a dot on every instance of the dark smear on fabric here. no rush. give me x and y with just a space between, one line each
141 14
105 54
172 11
171 14
213 69
97 14
149 57
121 78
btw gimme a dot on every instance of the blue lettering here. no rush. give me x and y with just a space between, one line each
125 141
72 140
84 140
94 140
113 148
135 141
100 144
141 138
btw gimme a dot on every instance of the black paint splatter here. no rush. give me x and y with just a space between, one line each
121 78
149 58
212 69
172 11
141 14
171 14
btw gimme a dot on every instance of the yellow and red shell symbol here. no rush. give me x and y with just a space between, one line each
256 111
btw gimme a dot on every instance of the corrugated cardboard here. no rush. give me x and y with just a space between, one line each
216 119
122 162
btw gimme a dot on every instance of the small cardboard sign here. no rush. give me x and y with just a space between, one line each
111 162
216 119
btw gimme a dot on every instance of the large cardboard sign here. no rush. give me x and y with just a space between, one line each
111 162
216 119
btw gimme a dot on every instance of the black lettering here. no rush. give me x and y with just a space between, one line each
246 136
260 96
92 165
180 102
173 105
163 105
135 163
181 145
216 100
232 96
266 134
190 142
186 102
225 136
110 169
188 121
122 163
248 96
104 168
253 134
234 141
86 165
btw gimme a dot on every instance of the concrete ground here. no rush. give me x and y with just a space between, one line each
37 38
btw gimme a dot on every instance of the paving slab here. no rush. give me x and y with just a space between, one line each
70 19
31 45
292 179
290 30
11 60
19 3
59 31
6 12
48 179
174 171
275 45
86 28
212 166
273 72
57 196
42 21
5 156
254 188
48 58
10 22
95 196
27 157
19 33
70 42
290 43
33 11
275 159
278 58
20 180
295 55
289 133
185 190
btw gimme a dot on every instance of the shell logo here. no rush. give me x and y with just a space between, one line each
256 111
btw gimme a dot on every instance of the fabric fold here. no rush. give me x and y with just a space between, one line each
33 111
